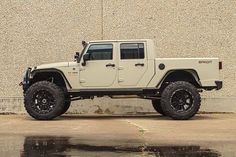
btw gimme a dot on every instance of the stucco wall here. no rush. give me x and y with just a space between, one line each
34 32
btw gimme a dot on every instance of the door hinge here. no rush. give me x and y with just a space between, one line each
120 80
120 68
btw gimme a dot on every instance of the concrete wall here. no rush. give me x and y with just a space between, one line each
34 32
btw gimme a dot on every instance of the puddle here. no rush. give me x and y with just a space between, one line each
63 147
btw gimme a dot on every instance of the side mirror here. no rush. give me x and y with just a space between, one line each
86 57
77 54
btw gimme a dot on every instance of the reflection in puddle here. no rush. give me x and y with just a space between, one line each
61 146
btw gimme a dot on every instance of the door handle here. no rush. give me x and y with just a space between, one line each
110 65
139 64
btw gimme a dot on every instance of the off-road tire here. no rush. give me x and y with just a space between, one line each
54 95
157 106
66 106
190 98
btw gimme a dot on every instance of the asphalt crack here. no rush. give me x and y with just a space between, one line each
142 131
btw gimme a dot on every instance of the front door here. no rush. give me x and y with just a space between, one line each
99 70
132 63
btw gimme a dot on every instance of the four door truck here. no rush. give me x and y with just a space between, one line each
121 69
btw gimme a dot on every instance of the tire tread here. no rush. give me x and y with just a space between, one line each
165 100
59 96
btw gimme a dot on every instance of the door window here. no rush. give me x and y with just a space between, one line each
132 51
100 52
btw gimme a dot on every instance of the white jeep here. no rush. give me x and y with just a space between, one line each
121 69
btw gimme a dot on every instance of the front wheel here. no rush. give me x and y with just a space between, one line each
180 100
66 106
44 100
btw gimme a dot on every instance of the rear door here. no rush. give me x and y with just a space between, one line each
132 63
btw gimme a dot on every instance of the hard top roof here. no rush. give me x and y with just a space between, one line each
126 40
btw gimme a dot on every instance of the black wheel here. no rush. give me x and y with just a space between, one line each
157 106
44 100
66 106
180 100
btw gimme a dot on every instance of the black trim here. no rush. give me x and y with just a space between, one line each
109 92
81 55
219 84
175 70
26 80
52 70
220 65
162 66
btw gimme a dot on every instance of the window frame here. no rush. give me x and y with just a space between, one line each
92 44
144 50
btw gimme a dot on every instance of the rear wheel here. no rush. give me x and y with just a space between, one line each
180 100
157 106
44 100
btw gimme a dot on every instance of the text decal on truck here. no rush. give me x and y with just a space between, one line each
204 62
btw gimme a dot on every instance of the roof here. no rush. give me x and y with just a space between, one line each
125 40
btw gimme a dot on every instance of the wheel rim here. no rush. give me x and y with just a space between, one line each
43 102
182 100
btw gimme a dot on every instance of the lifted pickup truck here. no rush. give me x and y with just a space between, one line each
121 69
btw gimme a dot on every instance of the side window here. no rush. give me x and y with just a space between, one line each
100 52
132 51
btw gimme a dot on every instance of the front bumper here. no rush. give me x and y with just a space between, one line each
26 81
219 85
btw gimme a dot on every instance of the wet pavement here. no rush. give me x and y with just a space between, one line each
204 136
38 146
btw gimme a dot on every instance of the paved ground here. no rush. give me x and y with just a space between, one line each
152 135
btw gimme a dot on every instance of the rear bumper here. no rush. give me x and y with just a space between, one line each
219 85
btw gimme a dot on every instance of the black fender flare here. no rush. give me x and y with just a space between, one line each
36 71
190 71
